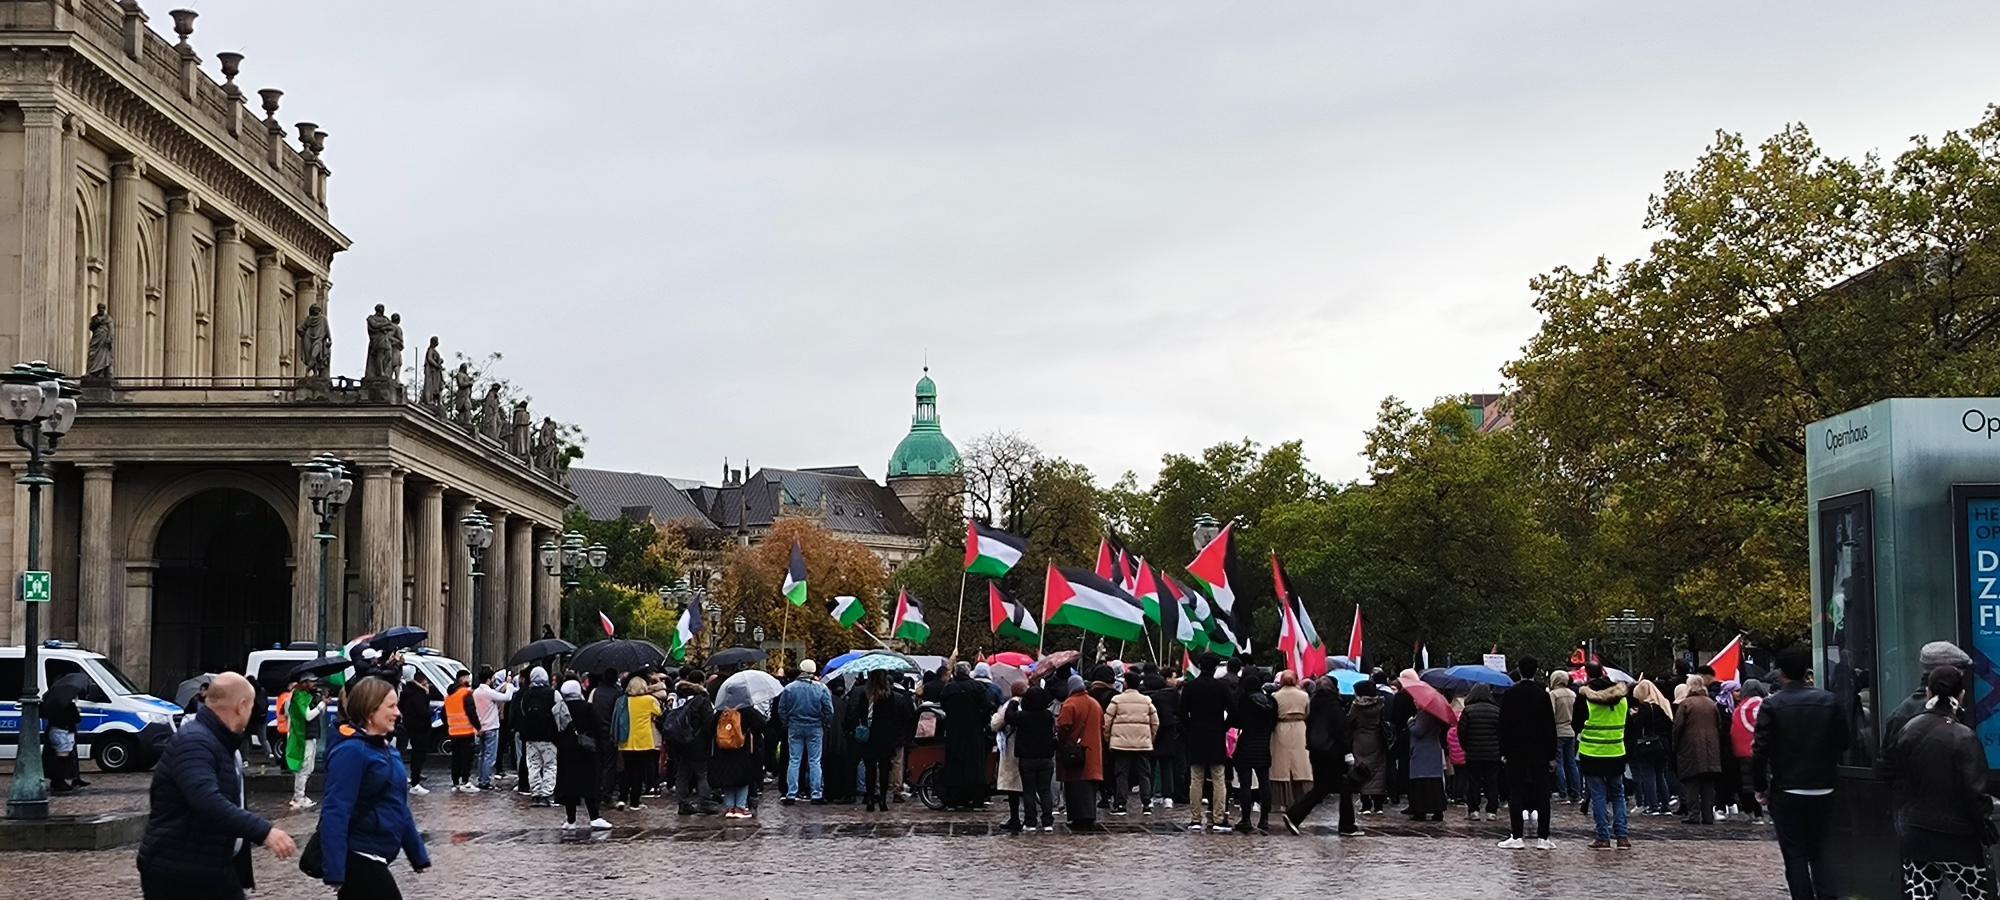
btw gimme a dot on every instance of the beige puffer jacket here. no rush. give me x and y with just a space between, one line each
1131 722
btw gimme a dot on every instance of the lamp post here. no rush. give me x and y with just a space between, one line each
1206 528
742 625
478 533
566 560
712 613
1627 629
329 488
31 399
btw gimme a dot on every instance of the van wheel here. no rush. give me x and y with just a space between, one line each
116 754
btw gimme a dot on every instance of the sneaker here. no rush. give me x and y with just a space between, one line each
1168 803
1600 844
1147 811
1545 844
1220 826
1513 843
789 800
474 789
304 803
1290 825
1120 812
600 824
419 790
569 826
1624 844
619 805
636 807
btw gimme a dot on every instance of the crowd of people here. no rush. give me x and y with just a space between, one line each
1230 744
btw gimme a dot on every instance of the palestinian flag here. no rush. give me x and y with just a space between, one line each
909 622
684 631
1173 615
1080 599
1301 644
1107 559
1214 567
795 577
1010 618
1128 571
990 551
1209 632
845 610
1147 589
1354 638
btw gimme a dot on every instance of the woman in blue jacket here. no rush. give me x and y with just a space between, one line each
365 821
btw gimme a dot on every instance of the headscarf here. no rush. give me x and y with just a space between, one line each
983 672
538 677
1075 685
571 690
1697 686
1751 688
1558 679
1646 692
499 680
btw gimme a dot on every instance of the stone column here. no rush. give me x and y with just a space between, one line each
400 516
271 318
427 603
179 361
44 187
380 587
547 589
226 328
458 592
493 613
521 624
305 575
70 337
127 317
138 657
96 613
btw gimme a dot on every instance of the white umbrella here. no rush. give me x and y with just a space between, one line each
748 688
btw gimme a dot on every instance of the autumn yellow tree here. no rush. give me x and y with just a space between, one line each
752 577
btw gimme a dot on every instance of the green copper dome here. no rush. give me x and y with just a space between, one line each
925 450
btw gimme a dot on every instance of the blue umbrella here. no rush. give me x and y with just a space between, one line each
1459 679
877 659
841 660
1347 679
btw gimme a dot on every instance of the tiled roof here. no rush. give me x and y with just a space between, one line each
848 499
607 495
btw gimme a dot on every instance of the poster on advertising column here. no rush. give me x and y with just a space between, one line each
1981 580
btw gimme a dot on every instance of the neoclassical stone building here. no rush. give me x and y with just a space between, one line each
178 528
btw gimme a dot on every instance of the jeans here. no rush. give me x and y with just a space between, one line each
1134 767
737 797
1260 795
305 772
1607 804
1038 791
1569 779
539 759
1652 783
1802 824
802 749
489 752
1216 780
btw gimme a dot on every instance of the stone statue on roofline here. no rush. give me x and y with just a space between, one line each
461 396
315 344
97 365
433 387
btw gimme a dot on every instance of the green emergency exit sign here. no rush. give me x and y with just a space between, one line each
36 587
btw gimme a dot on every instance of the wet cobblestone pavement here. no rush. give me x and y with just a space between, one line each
495 845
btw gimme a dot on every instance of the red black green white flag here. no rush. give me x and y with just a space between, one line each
1011 618
1215 568
990 551
795 577
1297 639
1174 619
909 622
1081 599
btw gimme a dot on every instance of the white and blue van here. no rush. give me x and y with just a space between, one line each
273 668
123 728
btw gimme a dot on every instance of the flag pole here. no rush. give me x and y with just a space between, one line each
958 626
784 634
871 636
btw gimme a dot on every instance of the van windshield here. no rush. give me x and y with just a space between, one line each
109 673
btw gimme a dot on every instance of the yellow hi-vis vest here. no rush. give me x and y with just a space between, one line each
1603 734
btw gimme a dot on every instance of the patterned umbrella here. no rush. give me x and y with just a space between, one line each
878 659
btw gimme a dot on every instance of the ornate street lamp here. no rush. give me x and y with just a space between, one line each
478 533
741 624
31 399
566 561
329 488
757 634
1628 628
1206 528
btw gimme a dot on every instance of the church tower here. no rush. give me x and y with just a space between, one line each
925 465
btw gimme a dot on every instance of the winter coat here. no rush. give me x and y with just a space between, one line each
805 705
196 817
693 698
1370 741
1426 746
1326 736
641 714
968 708
744 765
1204 711
1698 736
490 702
415 703
576 767
1033 734
891 722
1254 717
1942 767
1528 729
366 808
1130 722
1289 759
1081 723
1479 729
1007 775
535 713
1649 734
1167 742
1562 701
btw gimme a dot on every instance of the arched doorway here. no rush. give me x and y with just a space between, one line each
222 587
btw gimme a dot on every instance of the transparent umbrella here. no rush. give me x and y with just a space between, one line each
747 689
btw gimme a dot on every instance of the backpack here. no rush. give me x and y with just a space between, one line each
729 730
679 726
534 705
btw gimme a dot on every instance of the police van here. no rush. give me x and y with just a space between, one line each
123 728
273 669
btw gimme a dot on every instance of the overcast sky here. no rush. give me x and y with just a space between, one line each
1121 229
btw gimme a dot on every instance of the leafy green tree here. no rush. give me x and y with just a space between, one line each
641 557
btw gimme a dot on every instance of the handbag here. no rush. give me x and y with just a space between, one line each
1073 753
312 859
861 731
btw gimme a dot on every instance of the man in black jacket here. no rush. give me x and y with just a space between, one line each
1528 744
418 741
1801 736
1204 714
197 838
1326 747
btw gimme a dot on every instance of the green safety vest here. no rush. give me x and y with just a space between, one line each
1603 734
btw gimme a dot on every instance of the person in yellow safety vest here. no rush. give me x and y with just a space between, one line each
1599 716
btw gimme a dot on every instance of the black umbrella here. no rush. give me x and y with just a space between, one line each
398 637
623 655
546 648
738 656
68 689
321 667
